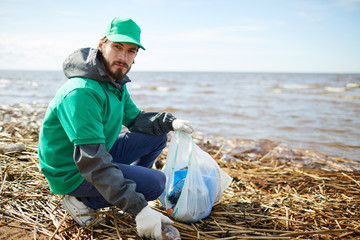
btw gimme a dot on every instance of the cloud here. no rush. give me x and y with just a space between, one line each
199 38
45 51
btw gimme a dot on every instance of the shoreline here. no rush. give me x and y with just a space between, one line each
30 116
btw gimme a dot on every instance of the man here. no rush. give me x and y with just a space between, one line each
81 152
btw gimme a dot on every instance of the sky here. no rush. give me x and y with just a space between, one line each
313 36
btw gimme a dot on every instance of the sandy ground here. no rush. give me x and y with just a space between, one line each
12 233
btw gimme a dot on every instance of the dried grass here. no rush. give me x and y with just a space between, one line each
277 192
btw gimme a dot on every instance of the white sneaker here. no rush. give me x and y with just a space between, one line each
76 208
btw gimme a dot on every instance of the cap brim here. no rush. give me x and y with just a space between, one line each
124 39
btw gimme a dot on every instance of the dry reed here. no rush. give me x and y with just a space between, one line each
277 192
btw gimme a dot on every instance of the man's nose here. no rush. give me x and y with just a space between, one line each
123 56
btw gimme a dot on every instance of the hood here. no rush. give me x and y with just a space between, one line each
85 63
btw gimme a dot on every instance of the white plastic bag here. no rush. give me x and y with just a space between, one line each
194 180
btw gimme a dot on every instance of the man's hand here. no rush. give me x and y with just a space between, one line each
148 223
182 125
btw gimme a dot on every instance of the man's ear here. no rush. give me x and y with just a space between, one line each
102 41
100 44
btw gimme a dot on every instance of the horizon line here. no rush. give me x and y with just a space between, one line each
199 71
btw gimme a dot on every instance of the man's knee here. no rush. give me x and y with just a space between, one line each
156 187
162 140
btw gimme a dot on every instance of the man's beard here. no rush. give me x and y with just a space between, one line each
118 74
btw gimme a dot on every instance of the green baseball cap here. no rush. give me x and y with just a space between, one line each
123 30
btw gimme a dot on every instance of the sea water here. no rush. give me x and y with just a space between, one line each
320 112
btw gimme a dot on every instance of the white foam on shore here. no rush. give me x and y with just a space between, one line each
298 86
135 86
4 81
276 90
353 85
164 89
154 88
335 89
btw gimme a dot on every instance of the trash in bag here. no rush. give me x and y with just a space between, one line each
179 179
194 180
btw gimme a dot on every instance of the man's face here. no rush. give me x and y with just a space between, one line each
118 57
